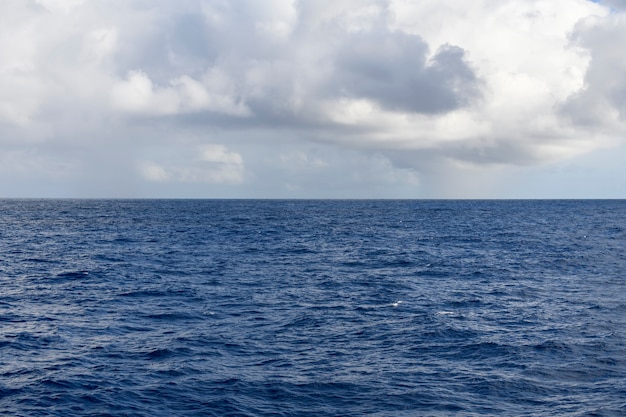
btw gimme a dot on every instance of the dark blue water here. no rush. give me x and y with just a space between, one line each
312 308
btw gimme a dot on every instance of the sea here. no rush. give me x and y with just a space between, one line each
312 308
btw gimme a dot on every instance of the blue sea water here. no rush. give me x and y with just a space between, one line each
312 308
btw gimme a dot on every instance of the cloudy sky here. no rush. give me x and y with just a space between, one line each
313 98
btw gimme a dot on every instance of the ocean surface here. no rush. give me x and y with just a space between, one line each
312 308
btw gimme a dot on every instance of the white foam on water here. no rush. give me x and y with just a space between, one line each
445 313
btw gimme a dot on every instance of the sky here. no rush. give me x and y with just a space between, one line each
312 99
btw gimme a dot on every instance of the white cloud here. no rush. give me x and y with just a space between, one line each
138 94
153 172
296 159
211 164
219 154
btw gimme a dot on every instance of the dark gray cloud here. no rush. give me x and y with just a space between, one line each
393 69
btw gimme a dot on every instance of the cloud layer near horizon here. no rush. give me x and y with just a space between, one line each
112 97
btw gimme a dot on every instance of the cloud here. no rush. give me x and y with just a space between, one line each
413 88
393 70
601 102
615 5
212 164
137 94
